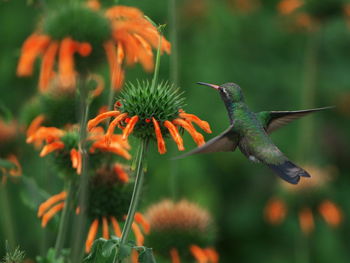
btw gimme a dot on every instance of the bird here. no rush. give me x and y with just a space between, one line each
249 131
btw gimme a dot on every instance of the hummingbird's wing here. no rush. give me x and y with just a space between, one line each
225 142
272 120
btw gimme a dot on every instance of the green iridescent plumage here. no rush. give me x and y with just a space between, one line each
249 131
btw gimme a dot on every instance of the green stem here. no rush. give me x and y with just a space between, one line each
80 220
174 78
135 195
308 93
7 219
62 230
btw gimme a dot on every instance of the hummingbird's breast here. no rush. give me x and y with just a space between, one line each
255 144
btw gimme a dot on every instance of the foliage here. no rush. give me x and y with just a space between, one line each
106 251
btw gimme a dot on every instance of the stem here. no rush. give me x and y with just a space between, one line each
306 131
62 230
174 78
80 221
7 218
135 195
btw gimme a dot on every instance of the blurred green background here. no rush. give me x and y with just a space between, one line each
279 66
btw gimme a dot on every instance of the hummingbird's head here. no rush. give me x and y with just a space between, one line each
229 92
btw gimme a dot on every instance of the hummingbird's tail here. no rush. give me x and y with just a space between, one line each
289 171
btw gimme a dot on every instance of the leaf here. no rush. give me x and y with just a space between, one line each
108 247
96 249
147 256
101 251
51 256
125 251
31 194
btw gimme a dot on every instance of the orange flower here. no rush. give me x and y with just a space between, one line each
306 220
331 213
38 44
128 125
130 39
275 211
55 138
134 36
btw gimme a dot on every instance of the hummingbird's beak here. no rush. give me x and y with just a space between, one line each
209 85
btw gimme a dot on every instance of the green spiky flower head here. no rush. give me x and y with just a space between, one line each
161 102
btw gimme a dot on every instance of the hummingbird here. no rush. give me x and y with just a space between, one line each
249 131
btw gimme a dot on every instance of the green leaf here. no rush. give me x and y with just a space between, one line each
96 251
108 247
31 194
125 251
147 256
52 257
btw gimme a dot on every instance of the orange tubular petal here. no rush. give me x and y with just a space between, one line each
140 219
113 148
197 137
49 202
122 175
198 254
212 255
31 49
138 234
91 235
174 254
116 72
145 54
46 71
112 125
331 213
123 11
174 134
130 127
134 256
49 214
99 118
116 227
66 62
159 136
75 157
51 147
35 124
105 232
45 133
306 220
193 118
